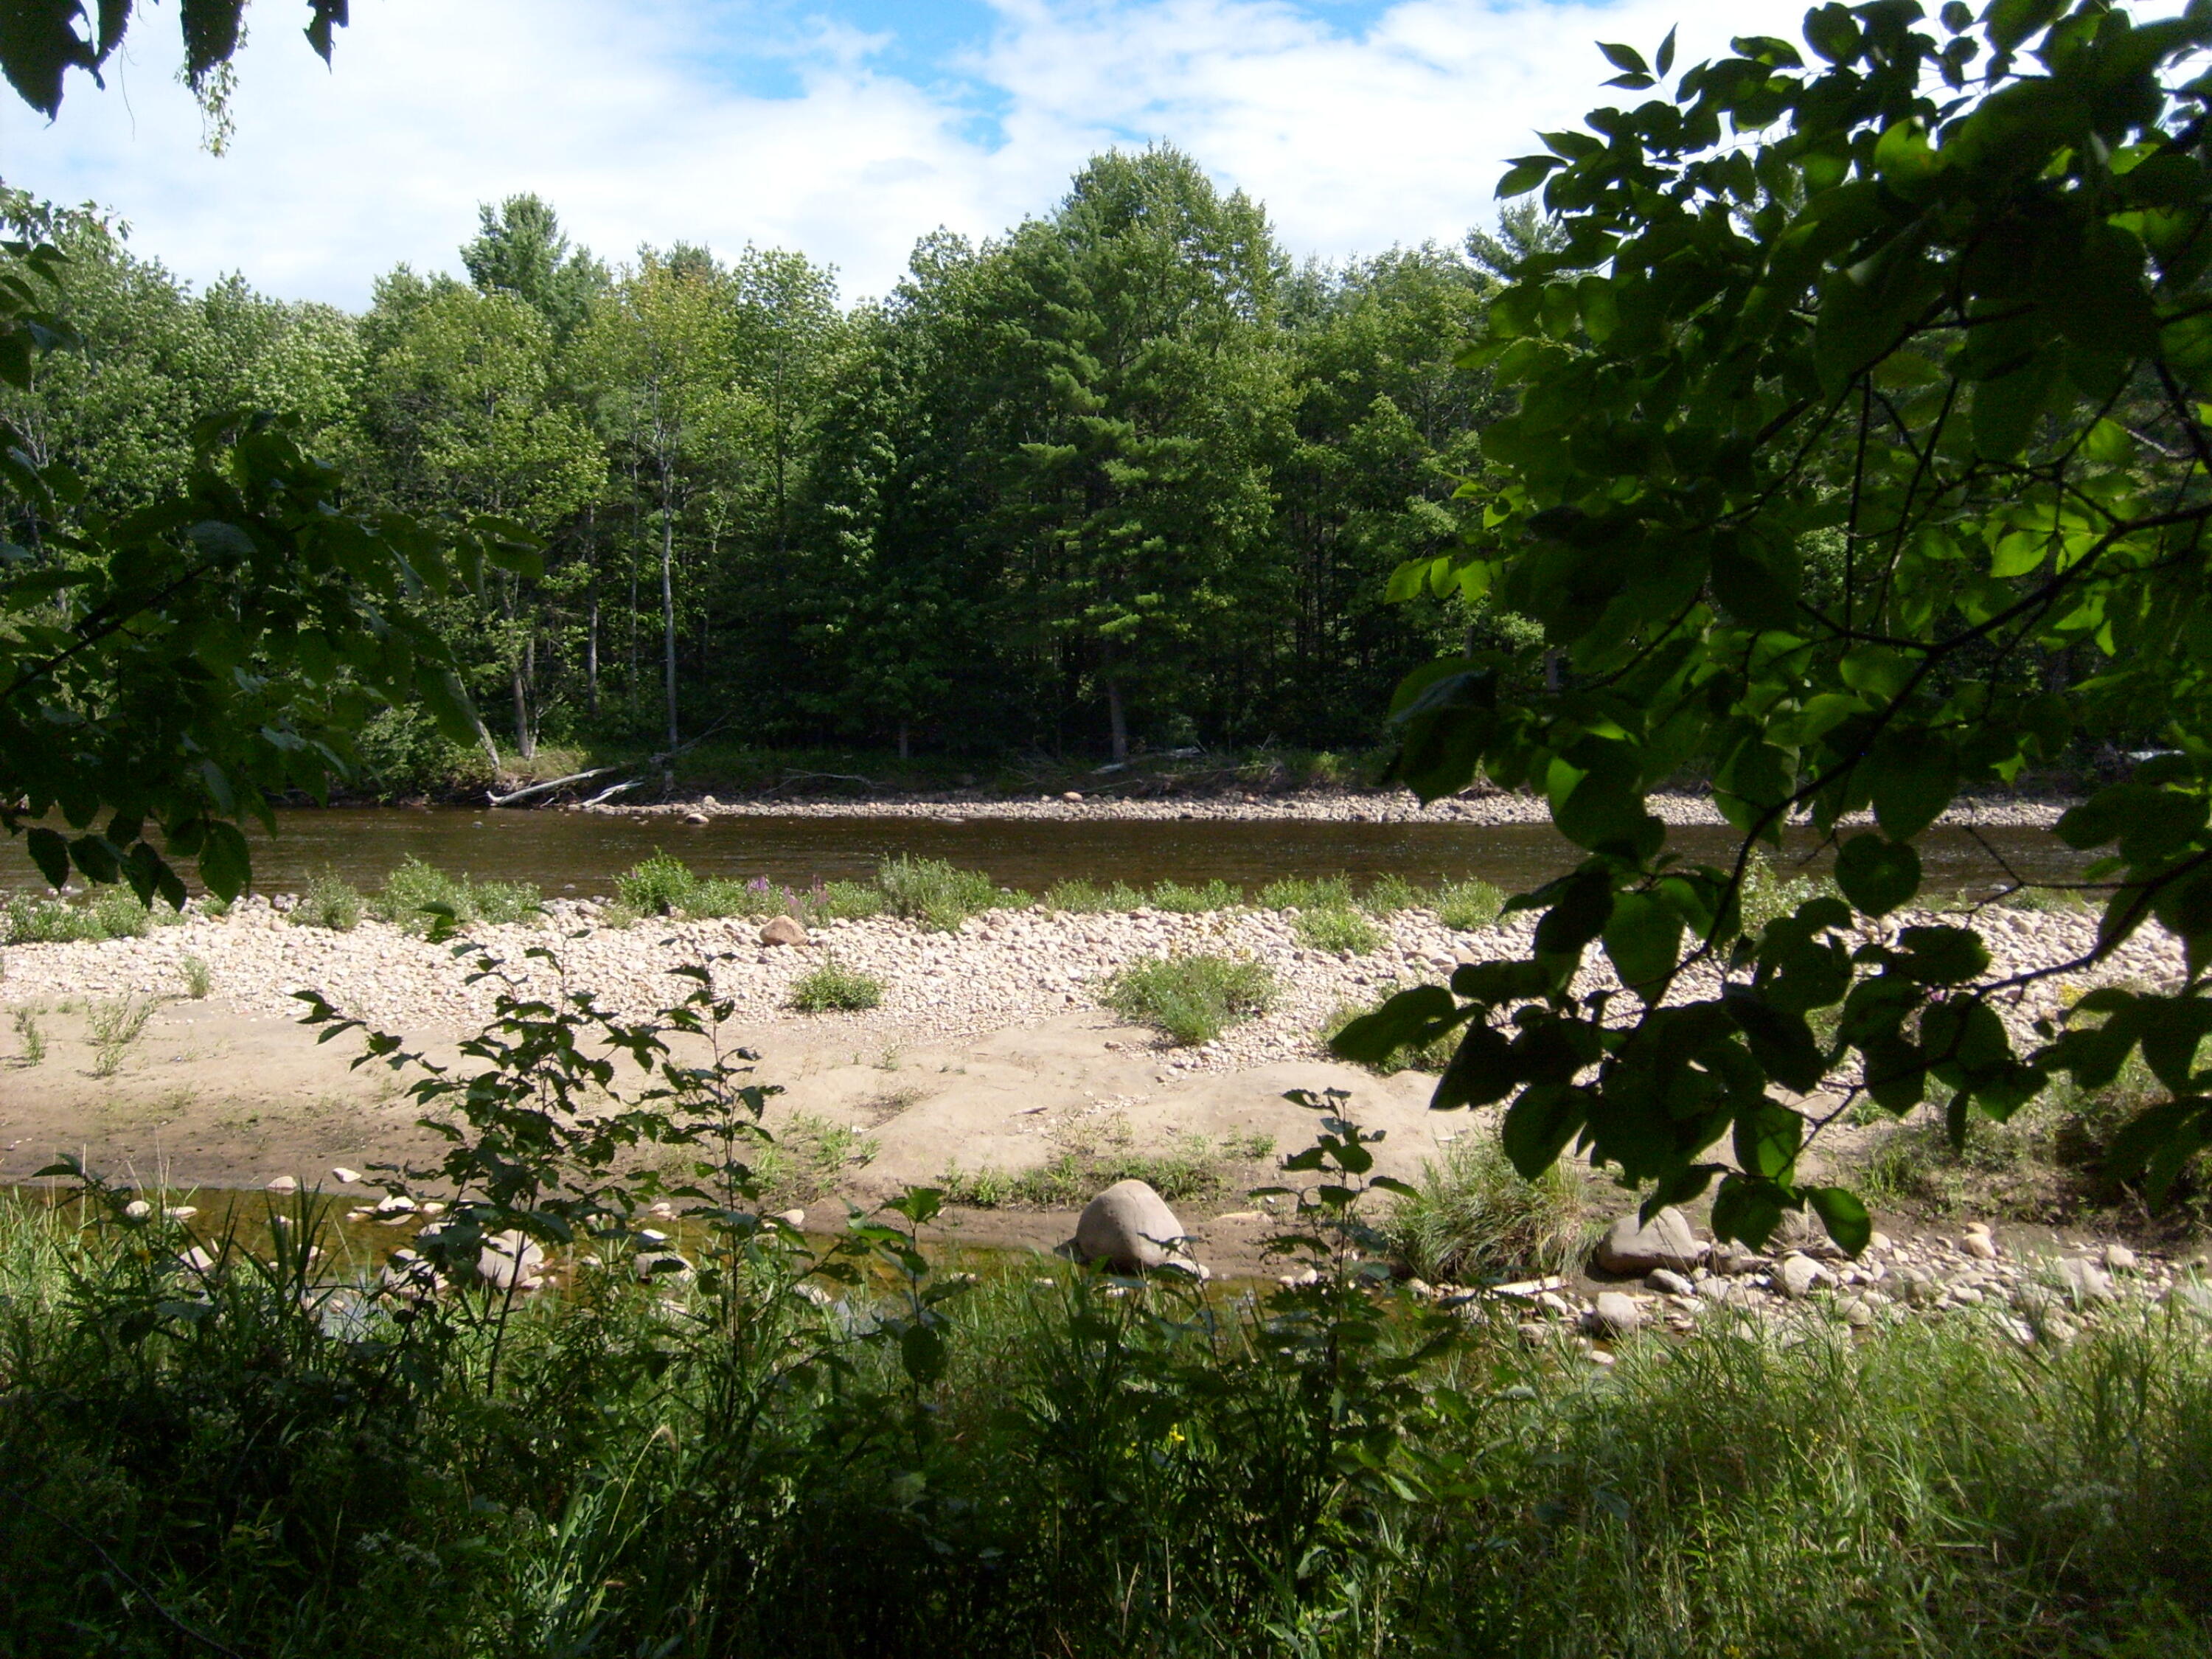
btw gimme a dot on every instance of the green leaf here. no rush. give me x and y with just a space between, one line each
1538 1126
1912 776
1481 1071
226 864
1747 1209
48 850
1373 1038
1843 1215
1877 875
1643 937
1768 1137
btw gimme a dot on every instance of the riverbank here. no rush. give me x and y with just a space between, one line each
1320 804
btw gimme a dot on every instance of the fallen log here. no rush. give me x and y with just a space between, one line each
543 788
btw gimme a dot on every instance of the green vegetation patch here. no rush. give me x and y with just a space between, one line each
1337 927
934 893
409 892
330 903
1473 1219
1469 906
1088 1160
831 987
1192 999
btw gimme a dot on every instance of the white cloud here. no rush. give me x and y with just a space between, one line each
1355 138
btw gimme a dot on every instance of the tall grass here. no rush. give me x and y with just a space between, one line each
1472 1218
1192 999
726 1467
410 892
934 892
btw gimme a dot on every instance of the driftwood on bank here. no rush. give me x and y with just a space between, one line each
509 799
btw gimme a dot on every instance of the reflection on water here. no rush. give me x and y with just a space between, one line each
584 852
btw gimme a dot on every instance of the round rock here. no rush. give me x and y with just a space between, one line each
1130 1228
782 929
1634 1248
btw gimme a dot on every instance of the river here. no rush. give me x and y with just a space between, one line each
582 853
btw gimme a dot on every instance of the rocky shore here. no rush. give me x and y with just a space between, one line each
1003 968
1479 808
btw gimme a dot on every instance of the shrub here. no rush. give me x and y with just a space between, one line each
409 892
1334 927
659 886
933 893
116 913
1469 906
1473 1219
49 921
725 896
832 988
1173 895
329 902
1387 895
404 753
1193 998
111 1028
1087 898
198 980
1307 893
30 1036
843 901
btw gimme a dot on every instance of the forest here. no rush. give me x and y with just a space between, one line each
1125 478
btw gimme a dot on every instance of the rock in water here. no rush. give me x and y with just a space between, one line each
1632 1246
783 930
1130 1228
511 1261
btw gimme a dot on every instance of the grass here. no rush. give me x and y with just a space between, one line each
832 988
1192 999
111 1028
410 890
1469 906
1190 1166
1088 898
810 1155
30 1038
933 893
1338 928
1194 899
1432 1057
1473 1219
1308 893
198 978
109 912
722 1468
330 904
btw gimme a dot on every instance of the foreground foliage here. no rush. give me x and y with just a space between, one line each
1854 463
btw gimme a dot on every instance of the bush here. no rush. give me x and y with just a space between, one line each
832 988
329 902
199 979
1469 906
119 914
1086 898
49 921
403 753
659 886
1335 928
415 885
1473 1219
1195 901
1387 895
931 892
1192 999
1303 893
842 901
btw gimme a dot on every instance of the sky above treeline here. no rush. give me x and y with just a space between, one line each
845 129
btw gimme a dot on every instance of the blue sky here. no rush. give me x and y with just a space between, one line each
844 128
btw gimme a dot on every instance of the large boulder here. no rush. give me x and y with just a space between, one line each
783 930
1130 1228
511 1261
1633 1248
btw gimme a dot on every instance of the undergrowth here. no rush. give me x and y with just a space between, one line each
1191 999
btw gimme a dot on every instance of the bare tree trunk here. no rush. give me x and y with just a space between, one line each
592 626
1116 719
1550 668
668 626
905 753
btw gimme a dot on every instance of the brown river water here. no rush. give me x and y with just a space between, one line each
582 853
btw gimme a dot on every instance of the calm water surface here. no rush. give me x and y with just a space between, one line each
584 852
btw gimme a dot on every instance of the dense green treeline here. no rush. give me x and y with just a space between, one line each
1124 475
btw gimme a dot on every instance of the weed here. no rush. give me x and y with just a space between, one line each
49 921
933 892
117 914
660 887
1086 898
31 1039
1193 998
198 977
1387 895
329 902
842 901
1305 893
410 892
808 1157
111 1028
1469 906
832 988
1337 928
1195 901
1473 1219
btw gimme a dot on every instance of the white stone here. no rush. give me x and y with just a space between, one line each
1800 1275
344 1176
1633 1248
283 1184
1613 1313
510 1260
1130 1228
